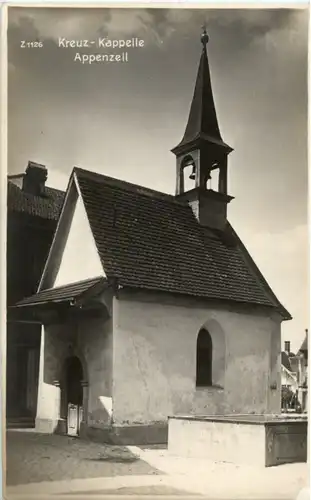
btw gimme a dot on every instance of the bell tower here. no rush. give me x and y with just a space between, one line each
203 149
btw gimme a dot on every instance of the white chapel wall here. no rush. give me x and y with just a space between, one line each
80 259
54 339
95 342
275 368
154 366
91 341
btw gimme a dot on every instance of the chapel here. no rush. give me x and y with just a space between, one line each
164 311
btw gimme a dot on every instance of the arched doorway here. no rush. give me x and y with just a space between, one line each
74 377
72 394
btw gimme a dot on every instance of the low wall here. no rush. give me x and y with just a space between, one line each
251 440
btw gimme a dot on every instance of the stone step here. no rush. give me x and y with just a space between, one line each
20 423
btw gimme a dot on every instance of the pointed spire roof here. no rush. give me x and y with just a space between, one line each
202 123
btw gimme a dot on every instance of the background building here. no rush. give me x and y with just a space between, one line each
32 213
294 371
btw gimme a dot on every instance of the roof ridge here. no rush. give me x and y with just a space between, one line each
10 181
15 176
56 189
129 186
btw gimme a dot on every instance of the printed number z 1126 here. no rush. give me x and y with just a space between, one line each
31 45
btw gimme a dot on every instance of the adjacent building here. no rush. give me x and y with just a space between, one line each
32 213
294 371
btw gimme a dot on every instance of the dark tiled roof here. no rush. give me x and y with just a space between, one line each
149 240
61 294
47 207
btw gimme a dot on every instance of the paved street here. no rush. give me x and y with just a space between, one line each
33 458
42 465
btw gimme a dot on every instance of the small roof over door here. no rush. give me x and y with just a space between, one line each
58 300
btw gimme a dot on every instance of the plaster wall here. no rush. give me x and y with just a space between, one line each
54 342
95 341
274 396
80 243
91 341
154 360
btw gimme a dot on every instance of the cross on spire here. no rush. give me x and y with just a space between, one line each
204 36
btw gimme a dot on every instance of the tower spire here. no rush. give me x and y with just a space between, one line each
203 148
202 122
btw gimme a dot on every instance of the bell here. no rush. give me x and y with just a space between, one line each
192 175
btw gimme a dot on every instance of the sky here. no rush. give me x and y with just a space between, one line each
122 119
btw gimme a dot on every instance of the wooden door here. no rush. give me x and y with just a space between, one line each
72 420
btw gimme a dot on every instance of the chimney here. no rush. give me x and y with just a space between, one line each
287 346
35 179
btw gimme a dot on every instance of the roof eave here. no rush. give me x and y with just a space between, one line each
41 303
89 293
188 145
207 298
286 316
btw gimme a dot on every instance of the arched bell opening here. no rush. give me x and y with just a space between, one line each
188 172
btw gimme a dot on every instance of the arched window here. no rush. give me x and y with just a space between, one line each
204 359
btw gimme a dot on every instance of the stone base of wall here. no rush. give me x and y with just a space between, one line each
127 435
99 434
46 425
119 435
61 427
142 434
